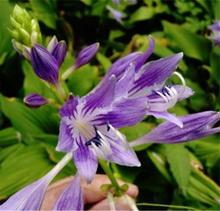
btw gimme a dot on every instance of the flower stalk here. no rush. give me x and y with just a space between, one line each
111 176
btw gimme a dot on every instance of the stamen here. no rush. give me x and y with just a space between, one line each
180 77
99 145
163 96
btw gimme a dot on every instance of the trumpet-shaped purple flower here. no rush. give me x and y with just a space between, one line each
72 197
129 91
46 62
215 28
195 126
31 196
35 100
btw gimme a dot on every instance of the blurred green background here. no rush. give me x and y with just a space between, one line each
179 174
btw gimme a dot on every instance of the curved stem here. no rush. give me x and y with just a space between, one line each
110 175
67 73
165 205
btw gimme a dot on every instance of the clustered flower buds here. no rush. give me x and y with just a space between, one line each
24 29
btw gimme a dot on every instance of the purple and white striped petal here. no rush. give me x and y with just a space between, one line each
125 112
44 64
85 161
86 54
35 100
52 44
153 75
121 152
66 142
119 67
102 96
143 58
195 126
165 98
69 107
72 197
28 198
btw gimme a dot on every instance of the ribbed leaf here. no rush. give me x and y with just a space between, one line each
179 161
191 44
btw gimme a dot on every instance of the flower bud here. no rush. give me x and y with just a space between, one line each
35 100
44 64
86 54
24 29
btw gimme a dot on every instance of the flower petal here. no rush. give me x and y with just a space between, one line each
69 107
44 64
66 142
101 96
59 52
52 44
154 74
143 58
167 97
195 126
167 116
72 197
125 112
85 161
31 196
121 153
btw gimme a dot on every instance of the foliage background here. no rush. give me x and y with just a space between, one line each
180 174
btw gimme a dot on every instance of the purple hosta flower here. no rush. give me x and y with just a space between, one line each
31 196
116 14
35 100
46 62
195 126
86 54
72 197
215 28
129 91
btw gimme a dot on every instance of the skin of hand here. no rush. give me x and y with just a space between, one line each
94 197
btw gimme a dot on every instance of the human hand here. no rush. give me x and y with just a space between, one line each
94 197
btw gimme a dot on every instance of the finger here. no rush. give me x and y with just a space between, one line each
120 204
93 193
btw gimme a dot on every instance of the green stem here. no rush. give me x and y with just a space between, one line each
110 175
165 205
67 73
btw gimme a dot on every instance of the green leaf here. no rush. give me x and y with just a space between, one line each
22 166
45 11
179 161
216 8
9 136
192 45
215 64
5 44
137 131
159 161
83 80
104 61
207 150
26 120
142 13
